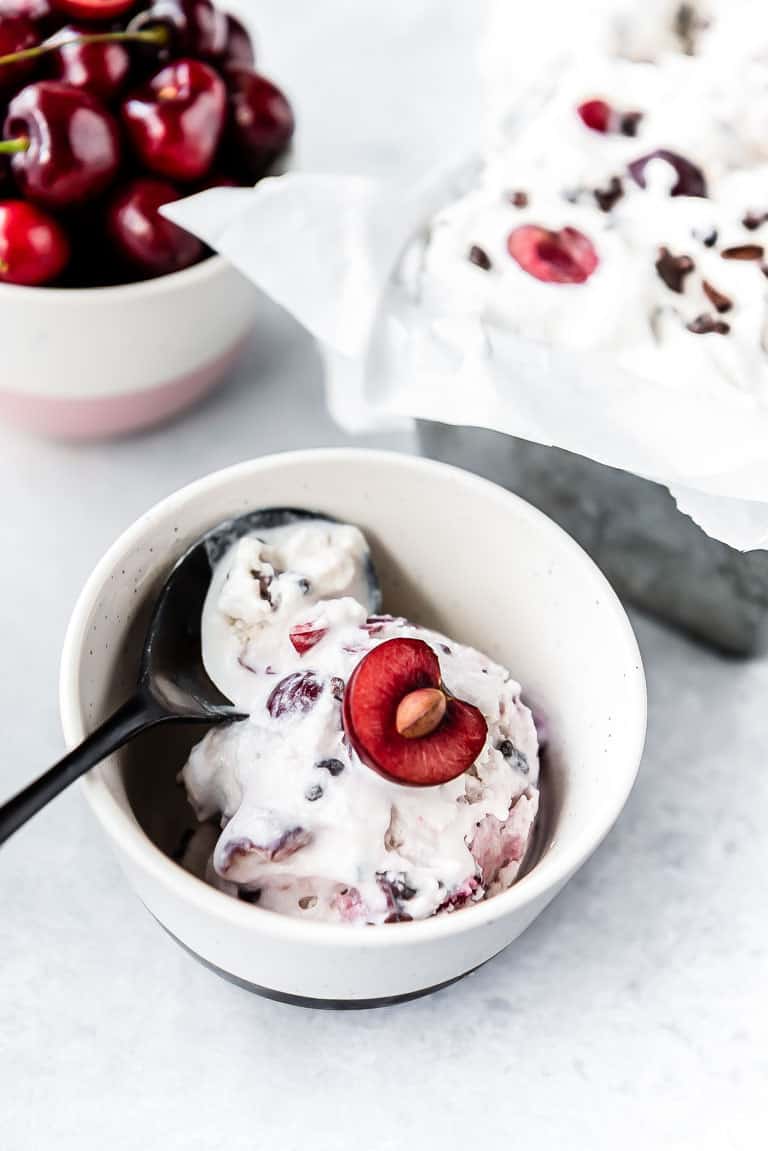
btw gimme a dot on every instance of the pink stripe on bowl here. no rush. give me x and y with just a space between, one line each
80 418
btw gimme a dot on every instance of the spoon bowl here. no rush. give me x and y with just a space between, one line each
173 684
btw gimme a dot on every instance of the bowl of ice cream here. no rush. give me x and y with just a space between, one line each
336 865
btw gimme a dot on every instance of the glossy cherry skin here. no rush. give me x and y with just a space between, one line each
73 152
93 9
146 242
196 27
34 248
38 11
260 124
16 34
101 69
238 51
176 120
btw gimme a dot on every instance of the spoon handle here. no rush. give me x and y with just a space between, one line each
137 714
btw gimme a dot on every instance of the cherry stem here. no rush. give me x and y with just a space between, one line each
159 36
11 147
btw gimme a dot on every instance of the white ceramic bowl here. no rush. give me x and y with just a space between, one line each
81 363
453 551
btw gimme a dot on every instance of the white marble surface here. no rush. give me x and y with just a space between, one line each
633 1013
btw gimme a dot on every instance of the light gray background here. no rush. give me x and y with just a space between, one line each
632 1014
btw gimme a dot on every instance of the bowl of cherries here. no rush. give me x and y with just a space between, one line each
112 317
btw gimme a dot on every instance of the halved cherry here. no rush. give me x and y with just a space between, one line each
377 700
564 257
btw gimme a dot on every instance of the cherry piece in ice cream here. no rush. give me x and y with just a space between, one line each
33 247
564 257
175 121
595 114
64 144
145 240
690 179
304 636
398 726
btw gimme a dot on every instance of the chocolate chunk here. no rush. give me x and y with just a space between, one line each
743 252
516 757
719 301
304 585
629 122
313 793
710 239
396 883
333 766
673 269
607 197
518 199
480 258
705 324
399 917
753 220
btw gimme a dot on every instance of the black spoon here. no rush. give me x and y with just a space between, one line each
173 685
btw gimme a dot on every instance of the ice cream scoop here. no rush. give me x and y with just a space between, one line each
173 685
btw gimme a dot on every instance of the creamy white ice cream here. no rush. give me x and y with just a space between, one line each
296 822
703 319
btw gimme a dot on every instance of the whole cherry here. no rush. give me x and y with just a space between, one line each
238 49
38 11
143 239
102 69
566 256
93 9
195 27
175 121
17 34
64 143
260 124
33 247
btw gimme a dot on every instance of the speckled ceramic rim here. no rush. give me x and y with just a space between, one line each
548 874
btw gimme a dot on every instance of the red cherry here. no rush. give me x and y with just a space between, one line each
196 27
146 241
596 114
374 693
238 51
260 123
690 179
70 144
564 257
33 248
304 636
38 11
176 120
101 69
93 9
17 33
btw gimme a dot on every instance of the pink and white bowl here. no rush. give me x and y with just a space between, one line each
456 553
86 363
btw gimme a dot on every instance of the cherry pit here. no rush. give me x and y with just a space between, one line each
111 109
